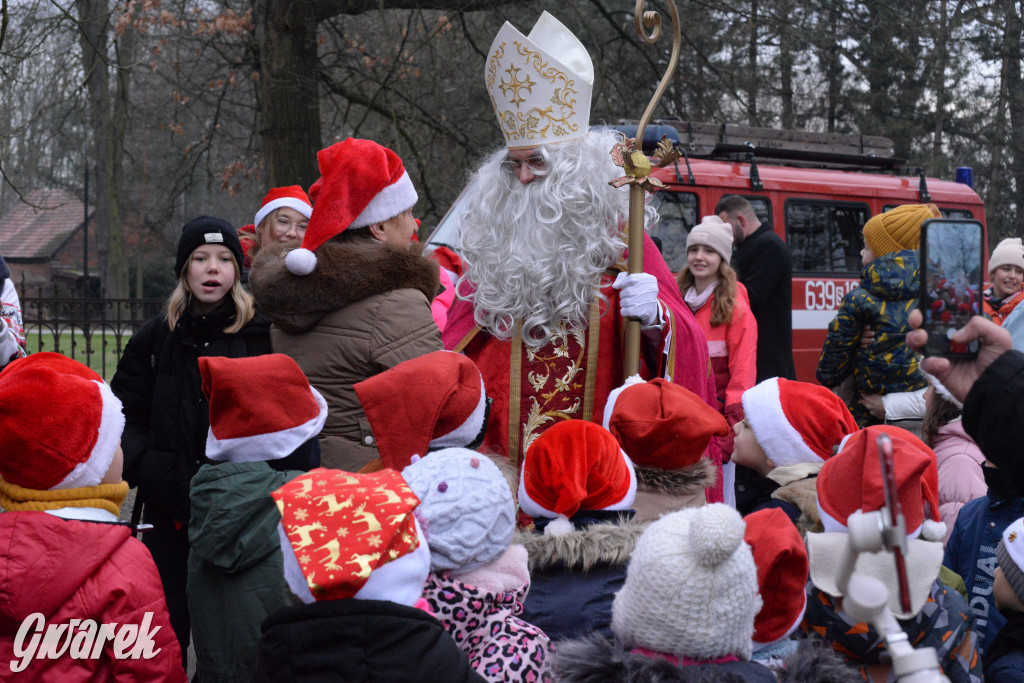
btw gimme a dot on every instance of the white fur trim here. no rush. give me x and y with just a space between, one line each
300 261
942 391
796 622
283 202
293 575
559 526
272 446
467 431
762 407
830 523
400 580
613 396
932 530
392 200
92 471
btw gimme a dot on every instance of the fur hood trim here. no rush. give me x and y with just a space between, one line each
582 549
804 494
682 482
815 662
345 273
598 659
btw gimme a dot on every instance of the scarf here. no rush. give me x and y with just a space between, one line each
685 661
103 496
695 300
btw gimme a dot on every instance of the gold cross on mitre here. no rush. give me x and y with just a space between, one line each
540 85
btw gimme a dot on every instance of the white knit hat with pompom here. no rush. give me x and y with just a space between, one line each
691 587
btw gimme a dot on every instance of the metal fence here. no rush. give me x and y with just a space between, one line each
92 331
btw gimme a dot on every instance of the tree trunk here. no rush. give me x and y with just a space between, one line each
941 91
833 67
752 77
1016 105
94 24
289 79
786 60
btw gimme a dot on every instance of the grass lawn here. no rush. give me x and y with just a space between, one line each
104 350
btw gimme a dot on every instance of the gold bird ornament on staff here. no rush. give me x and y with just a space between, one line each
636 164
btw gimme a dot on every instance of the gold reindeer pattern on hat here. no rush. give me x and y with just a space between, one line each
343 526
540 85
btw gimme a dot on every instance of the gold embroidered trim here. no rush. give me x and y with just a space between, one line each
515 385
593 337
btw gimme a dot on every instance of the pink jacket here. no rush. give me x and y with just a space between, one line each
443 301
960 477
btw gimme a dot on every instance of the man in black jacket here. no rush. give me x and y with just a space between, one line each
762 263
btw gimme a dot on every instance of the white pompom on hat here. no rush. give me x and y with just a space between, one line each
691 587
361 183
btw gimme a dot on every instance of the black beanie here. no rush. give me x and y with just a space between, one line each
206 230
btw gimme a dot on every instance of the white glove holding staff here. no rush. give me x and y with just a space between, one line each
638 297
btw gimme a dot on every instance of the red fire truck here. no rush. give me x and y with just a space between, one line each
816 190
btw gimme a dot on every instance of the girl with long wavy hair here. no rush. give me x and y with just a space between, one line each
709 287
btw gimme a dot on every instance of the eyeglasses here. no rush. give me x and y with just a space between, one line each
536 163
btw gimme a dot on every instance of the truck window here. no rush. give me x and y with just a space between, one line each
762 208
964 214
825 237
678 211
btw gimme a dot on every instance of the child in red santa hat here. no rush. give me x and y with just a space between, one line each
282 218
939 617
578 486
235 575
357 558
665 430
353 300
66 556
790 429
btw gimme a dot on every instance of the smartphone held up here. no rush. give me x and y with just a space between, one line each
952 256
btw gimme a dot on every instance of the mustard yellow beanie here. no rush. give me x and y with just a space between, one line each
898 228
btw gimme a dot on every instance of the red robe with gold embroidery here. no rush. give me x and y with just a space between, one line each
572 375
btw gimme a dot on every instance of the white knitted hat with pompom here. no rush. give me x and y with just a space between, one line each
691 587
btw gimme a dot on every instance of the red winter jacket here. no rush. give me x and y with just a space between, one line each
70 569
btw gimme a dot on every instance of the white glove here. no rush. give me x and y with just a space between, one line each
638 297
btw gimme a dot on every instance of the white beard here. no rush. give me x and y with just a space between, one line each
535 253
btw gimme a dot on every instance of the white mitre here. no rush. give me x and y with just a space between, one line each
540 85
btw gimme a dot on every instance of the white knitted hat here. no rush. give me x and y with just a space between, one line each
712 232
691 587
1009 252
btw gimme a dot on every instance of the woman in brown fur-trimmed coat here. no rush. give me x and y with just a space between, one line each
354 300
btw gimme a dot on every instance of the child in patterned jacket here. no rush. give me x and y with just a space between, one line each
888 292
478 580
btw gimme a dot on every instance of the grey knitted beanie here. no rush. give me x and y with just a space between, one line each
467 505
691 587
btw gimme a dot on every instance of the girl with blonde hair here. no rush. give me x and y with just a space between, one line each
158 381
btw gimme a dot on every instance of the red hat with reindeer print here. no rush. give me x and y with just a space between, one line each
349 535
434 401
361 183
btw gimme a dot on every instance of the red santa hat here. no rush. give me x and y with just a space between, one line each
575 465
426 403
852 481
349 535
60 424
291 197
361 183
661 424
782 570
796 422
261 408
